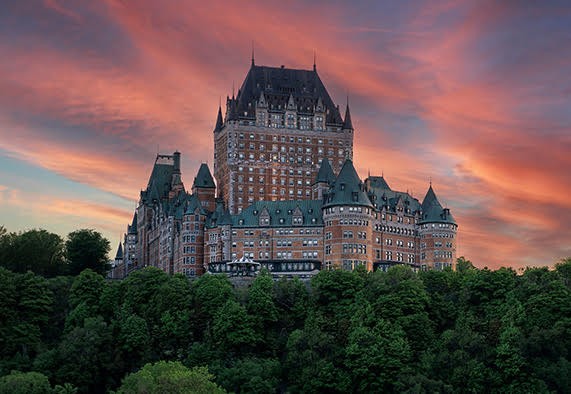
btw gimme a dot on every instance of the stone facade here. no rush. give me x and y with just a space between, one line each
287 195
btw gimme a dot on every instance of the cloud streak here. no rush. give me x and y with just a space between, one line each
474 95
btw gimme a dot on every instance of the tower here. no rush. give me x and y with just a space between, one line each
277 130
348 217
204 188
437 232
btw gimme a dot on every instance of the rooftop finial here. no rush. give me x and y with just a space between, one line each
430 181
314 60
252 52
232 90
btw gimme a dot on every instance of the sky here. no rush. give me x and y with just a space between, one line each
475 96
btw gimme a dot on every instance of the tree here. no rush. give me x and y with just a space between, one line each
87 249
232 328
38 251
25 383
250 375
84 356
261 304
169 377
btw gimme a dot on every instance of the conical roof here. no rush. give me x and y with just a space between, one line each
347 123
432 210
325 173
219 121
132 229
204 177
348 188
119 255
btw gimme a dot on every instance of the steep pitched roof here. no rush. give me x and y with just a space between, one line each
160 180
325 173
347 123
219 121
204 177
382 195
281 213
132 229
119 255
220 217
348 188
278 84
432 210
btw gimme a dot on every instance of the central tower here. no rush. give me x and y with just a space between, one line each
276 131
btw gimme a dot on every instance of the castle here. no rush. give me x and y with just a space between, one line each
286 198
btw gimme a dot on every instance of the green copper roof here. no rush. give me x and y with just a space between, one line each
119 255
347 123
325 173
159 183
347 189
382 196
432 210
204 177
378 182
220 217
219 121
132 229
280 214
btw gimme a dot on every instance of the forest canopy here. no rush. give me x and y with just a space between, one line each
470 330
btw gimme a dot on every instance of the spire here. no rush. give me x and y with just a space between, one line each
219 121
253 53
119 255
203 178
314 60
291 103
347 124
325 173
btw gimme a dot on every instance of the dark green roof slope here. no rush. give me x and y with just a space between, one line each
381 195
220 217
378 182
132 229
204 177
119 255
347 123
432 210
278 84
325 173
280 213
219 121
347 189
159 182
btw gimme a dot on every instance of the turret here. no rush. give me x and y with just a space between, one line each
219 120
324 180
204 188
438 231
348 215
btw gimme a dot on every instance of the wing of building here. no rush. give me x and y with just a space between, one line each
287 196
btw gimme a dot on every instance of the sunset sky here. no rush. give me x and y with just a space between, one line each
474 95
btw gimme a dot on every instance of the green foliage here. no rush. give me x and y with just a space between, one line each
469 330
38 251
250 375
169 377
25 383
87 249
233 329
